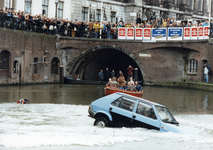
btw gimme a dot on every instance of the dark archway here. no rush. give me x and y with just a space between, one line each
88 64
5 64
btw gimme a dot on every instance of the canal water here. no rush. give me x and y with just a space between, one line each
56 118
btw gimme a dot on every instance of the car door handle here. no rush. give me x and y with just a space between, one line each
110 108
134 116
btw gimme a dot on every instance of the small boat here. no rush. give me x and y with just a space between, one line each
111 90
69 80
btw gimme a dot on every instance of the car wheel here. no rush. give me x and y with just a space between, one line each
101 122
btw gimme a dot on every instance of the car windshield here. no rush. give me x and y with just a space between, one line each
165 115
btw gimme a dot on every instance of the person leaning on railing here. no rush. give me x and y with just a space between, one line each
96 27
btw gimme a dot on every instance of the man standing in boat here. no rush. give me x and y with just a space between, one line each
130 72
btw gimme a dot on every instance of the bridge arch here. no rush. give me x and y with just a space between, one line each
104 56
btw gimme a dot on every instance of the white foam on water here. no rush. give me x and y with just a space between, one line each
36 125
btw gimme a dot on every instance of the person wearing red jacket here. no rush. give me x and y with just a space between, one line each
130 72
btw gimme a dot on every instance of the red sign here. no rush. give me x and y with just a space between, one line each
194 32
138 32
122 32
206 31
186 32
130 32
147 32
200 31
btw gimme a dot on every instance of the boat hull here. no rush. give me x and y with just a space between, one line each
111 90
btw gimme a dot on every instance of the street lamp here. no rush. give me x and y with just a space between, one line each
56 3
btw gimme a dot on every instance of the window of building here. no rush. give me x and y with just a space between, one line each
7 3
45 7
60 10
4 64
28 6
15 67
84 14
112 16
200 5
98 15
54 66
192 66
35 69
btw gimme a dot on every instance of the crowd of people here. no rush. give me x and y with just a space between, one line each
119 81
40 23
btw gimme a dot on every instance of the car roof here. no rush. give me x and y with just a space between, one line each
140 99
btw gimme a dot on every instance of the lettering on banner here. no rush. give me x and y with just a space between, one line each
200 31
206 31
130 32
147 32
187 32
121 32
194 32
138 33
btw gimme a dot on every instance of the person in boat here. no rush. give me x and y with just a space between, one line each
109 83
131 81
112 83
131 87
121 81
138 87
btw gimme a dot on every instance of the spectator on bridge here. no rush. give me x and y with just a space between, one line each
205 24
206 68
128 25
101 75
108 27
96 28
138 20
121 21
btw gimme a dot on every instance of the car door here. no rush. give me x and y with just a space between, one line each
121 111
145 117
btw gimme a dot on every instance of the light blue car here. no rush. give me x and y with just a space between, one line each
124 110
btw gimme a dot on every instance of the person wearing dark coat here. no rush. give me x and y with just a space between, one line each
138 20
106 75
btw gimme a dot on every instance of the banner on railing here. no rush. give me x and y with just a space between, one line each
121 33
206 33
194 32
159 34
146 33
200 33
130 32
187 33
175 34
138 33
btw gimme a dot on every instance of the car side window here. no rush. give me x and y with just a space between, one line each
145 110
124 103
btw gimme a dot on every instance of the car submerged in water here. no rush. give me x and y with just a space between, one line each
124 110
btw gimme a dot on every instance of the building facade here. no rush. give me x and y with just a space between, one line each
112 10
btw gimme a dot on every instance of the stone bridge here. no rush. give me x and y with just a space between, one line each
28 57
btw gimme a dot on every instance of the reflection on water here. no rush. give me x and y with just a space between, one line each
177 100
